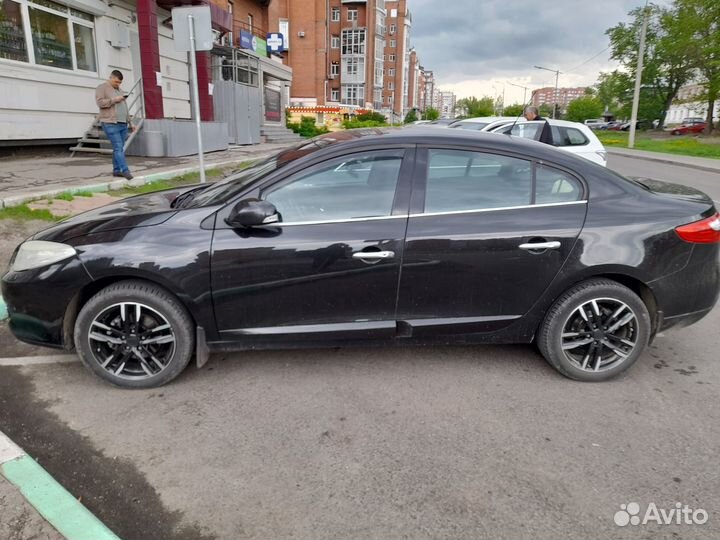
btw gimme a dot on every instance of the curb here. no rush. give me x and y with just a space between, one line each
3 309
17 200
667 161
50 499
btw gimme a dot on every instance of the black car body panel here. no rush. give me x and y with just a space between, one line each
452 277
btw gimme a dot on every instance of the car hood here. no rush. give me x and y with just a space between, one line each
139 211
675 191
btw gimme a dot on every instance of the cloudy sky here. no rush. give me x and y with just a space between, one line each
475 45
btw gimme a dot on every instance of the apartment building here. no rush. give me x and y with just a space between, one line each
337 52
397 60
560 96
446 104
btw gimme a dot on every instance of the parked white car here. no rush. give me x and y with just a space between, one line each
572 137
477 124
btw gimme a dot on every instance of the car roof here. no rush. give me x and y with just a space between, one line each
483 119
382 137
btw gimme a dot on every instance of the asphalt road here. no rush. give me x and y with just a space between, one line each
706 181
436 442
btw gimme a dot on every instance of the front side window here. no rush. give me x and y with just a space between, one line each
351 187
334 42
335 17
352 14
459 180
12 33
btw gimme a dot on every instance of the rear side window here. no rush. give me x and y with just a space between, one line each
460 180
555 186
568 136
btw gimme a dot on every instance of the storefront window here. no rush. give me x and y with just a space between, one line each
60 37
12 35
84 47
51 39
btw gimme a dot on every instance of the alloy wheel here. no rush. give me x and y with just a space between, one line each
600 334
131 340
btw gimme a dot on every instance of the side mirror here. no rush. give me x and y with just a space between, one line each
251 213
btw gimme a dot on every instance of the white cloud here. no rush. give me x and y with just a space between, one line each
475 45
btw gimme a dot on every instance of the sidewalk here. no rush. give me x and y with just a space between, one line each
703 164
22 179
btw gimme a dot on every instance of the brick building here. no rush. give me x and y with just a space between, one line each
561 96
397 60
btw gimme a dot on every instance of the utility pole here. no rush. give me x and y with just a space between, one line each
638 78
557 76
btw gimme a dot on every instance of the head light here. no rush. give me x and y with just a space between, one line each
38 253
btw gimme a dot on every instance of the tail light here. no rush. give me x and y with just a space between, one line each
705 231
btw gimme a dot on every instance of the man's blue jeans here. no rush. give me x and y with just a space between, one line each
117 133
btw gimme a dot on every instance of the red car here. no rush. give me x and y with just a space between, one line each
684 129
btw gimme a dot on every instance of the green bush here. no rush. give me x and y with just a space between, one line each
354 124
307 127
371 117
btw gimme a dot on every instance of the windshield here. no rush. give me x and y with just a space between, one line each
226 189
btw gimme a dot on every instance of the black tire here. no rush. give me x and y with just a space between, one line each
150 351
566 321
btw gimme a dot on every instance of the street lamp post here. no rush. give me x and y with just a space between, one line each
525 89
557 75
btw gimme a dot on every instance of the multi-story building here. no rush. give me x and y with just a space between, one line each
446 104
397 59
560 96
430 93
337 52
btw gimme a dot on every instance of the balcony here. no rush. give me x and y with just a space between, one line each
353 1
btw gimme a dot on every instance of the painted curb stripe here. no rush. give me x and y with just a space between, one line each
3 309
38 360
50 499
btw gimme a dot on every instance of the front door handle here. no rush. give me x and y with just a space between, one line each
533 246
367 255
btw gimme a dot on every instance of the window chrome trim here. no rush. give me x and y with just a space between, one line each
483 210
324 222
405 216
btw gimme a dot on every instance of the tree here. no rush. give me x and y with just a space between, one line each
515 109
474 107
614 90
546 110
431 114
410 117
583 108
703 20
667 65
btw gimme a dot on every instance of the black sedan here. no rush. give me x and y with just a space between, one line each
385 236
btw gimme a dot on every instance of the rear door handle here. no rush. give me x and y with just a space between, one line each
532 246
367 255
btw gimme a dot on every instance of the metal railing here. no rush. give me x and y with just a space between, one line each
136 102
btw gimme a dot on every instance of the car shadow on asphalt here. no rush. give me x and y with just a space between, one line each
112 488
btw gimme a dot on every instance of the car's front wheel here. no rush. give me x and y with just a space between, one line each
134 334
595 331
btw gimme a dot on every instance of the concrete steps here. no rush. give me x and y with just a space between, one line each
279 134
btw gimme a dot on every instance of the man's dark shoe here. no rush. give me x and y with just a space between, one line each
127 175
117 173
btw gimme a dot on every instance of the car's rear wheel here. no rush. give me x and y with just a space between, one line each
134 334
595 331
